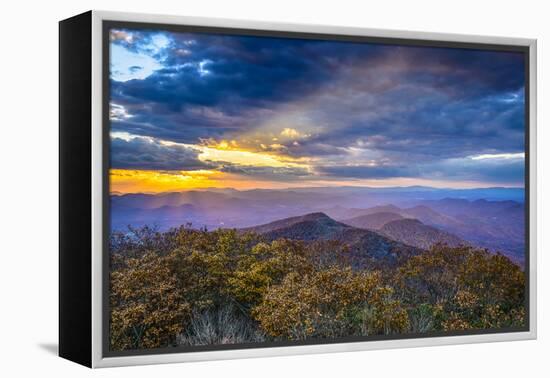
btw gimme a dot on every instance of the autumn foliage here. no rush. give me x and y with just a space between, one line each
195 287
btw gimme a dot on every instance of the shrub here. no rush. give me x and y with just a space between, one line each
194 287
147 309
329 303
473 288
224 325
266 265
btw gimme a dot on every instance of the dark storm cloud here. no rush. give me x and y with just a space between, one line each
366 171
463 73
495 170
237 77
505 171
184 127
146 154
434 127
392 111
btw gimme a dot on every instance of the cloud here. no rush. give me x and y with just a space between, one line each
502 170
366 171
233 77
517 155
272 173
120 35
291 133
136 55
118 112
131 152
150 154
124 64
352 110
430 111
224 71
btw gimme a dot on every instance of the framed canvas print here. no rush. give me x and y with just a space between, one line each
236 189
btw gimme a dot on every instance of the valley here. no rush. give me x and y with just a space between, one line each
417 217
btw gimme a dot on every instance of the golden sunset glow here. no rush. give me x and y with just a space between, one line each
248 158
147 181
230 152
211 152
135 181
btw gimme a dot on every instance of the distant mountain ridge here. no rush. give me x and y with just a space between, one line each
498 225
420 212
415 233
373 221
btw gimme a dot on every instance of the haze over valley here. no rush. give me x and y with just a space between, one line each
417 216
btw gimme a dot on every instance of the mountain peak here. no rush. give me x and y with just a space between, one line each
315 216
318 218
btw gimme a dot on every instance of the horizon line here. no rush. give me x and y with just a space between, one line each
317 187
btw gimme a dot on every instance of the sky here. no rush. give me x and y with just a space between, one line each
197 110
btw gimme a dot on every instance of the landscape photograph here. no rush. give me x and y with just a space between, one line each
281 190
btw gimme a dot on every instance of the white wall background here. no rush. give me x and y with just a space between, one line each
28 156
